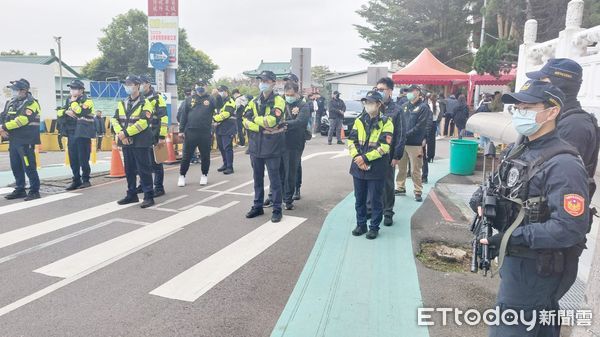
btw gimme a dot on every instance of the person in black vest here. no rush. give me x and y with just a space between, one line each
100 129
337 108
20 123
226 129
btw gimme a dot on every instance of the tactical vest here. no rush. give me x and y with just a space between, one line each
24 133
128 120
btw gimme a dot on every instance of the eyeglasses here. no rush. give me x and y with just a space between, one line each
524 111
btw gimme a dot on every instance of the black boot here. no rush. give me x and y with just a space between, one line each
85 184
222 168
159 192
276 216
147 203
359 230
16 194
254 212
32 196
129 199
228 171
74 185
372 234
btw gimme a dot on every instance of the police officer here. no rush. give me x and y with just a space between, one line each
195 128
385 86
574 124
20 122
226 129
131 124
369 143
159 127
296 118
264 121
78 123
240 105
542 211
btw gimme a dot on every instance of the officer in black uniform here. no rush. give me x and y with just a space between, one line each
78 123
226 129
385 86
195 128
159 127
131 124
20 123
264 121
541 212
574 124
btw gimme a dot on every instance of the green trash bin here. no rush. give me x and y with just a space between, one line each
463 156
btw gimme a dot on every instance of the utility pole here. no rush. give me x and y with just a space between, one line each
482 38
57 39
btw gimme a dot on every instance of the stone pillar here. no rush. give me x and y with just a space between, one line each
524 61
565 46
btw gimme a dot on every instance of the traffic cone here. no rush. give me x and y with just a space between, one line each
116 164
172 158
38 163
94 155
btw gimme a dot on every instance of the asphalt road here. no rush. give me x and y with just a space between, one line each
76 264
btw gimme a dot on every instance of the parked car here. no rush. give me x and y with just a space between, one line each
353 110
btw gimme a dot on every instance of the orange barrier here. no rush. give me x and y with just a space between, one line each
172 157
116 164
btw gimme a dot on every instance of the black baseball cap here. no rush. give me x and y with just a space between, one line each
336 93
201 82
535 91
76 84
21 84
562 68
267 75
133 79
373 96
291 77
145 79
414 87
223 88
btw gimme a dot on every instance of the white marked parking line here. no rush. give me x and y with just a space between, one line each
68 236
125 244
38 202
26 233
196 281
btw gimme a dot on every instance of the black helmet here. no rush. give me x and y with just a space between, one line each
76 84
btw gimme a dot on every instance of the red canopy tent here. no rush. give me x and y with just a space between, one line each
427 69
487 79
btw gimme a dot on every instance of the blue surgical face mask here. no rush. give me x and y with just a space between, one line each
15 93
129 89
200 90
264 86
291 99
410 96
524 121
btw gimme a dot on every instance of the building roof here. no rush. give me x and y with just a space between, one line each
427 69
37 59
279 68
345 75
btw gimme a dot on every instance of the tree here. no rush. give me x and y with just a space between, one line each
320 73
16 52
401 29
124 50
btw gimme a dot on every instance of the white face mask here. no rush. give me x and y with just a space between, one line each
371 108
15 93
74 92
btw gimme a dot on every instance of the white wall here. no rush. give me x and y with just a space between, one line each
41 78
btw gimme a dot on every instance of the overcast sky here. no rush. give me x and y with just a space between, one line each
237 35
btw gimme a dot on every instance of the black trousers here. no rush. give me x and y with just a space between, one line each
291 163
241 132
159 172
138 162
368 190
98 143
389 199
299 176
22 161
273 169
79 157
60 143
200 140
225 145
448 121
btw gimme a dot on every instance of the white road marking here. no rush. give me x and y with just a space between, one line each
214 185
26 233
196 281
229 193
168 201
6 190
53 287
312 155
341 155
216 195
126 244
68 236
33 203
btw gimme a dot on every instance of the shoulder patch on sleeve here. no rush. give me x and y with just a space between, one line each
28 112
148 114
574 204
388 139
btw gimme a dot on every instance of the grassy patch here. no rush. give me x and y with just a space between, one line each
428 257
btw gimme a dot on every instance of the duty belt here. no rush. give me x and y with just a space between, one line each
521 251
273 132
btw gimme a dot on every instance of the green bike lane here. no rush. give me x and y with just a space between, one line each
351 286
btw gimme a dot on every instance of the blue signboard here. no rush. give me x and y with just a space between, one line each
158 56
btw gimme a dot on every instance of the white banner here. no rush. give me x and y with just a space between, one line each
165 29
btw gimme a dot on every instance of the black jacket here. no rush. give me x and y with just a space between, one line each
321 104
578 128
418 118
296 124
461 114
451 104
392 111
337 107
198 113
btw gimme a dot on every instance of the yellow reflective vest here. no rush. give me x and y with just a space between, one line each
134 122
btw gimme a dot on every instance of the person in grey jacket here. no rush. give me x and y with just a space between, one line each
337 107
100 129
